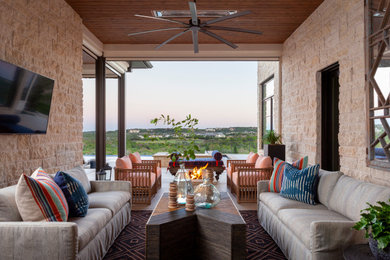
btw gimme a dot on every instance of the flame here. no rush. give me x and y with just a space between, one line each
197 173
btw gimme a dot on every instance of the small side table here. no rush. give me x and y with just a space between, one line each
358 252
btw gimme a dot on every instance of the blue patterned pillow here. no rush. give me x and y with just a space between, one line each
300 185
74 193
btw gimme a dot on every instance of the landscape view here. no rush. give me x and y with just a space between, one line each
239 140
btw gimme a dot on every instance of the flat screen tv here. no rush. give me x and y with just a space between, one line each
25 99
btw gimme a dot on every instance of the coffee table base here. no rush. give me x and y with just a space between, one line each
203 234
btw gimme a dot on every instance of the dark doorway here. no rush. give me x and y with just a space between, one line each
330 88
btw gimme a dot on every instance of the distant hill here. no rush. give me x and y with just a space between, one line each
150 141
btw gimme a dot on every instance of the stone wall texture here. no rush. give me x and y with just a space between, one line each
333 33
44 36
266 70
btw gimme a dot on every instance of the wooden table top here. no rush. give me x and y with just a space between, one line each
225 211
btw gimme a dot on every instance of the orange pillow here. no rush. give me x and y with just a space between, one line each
263 162
249 156
124 163
135 157
253 158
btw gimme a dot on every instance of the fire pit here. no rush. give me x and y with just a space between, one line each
196 175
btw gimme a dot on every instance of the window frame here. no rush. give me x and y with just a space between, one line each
264 99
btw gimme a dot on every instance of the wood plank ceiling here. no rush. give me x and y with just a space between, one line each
112 20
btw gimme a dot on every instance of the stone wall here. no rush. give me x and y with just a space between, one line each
333 33
266 70
45 37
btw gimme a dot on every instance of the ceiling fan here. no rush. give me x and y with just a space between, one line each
195 26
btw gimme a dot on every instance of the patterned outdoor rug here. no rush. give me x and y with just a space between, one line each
130 244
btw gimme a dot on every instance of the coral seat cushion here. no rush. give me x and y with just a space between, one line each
253 158
124 163
263 162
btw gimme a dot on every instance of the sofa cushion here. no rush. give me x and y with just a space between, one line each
124 163
40 199
263 162
112 200
90 225
249 157
79 173
350 195
276 180
8 208
326 184
74 193
299 221
300 185
275 202
135 157
252 158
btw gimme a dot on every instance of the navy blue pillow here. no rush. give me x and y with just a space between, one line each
300 185
74 193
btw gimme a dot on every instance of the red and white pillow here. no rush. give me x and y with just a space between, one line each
39 198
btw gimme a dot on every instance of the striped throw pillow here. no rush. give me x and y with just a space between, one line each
39 198
300 185
275 183
74 193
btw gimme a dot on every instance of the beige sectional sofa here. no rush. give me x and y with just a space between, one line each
86 237
320 231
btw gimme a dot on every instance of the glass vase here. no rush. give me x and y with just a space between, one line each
184 185
206 194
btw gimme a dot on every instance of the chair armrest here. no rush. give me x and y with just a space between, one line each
101 186
145 166
38 240
333 235
262 186
158 162
238 166
229 162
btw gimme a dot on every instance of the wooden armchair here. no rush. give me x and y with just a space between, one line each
143 181
156 168
231 166
244 182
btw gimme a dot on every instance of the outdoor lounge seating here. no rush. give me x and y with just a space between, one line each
144 178
243 180
87 237
320 231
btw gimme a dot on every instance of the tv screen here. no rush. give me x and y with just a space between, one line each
25 99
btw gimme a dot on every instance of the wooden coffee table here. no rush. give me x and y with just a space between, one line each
217 233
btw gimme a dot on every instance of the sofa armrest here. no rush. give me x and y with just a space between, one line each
334 235
38 240
101 186
262 186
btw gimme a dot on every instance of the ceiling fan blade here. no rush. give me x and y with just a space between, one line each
231 29
219 38
159 18
195 40
194 15
157 30
172 38
223 18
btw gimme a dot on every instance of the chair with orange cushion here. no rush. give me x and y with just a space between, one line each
143 179
231 164
139 163
245 177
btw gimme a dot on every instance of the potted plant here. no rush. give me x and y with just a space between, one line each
376 222
272 145
185 132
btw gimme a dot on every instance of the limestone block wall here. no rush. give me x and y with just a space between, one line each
266 70
333 33
44 37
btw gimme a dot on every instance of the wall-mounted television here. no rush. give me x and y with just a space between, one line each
25 100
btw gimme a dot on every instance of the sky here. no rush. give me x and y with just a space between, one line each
219 94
